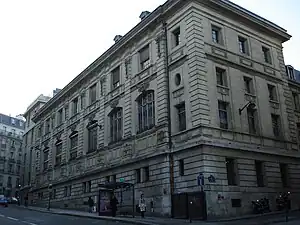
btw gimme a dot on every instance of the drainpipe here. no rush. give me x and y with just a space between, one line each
170 155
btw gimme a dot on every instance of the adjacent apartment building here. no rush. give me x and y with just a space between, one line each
28 142
197 88
11 133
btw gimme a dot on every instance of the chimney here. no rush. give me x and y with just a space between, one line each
144 14
117 38
56 91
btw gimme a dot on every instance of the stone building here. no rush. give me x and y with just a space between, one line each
28 142
195 87
11 133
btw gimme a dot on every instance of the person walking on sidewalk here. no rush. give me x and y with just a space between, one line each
113 204
91 204
142 205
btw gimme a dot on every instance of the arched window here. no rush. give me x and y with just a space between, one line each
146 111
116 124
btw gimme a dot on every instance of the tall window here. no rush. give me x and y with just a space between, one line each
251 121
176 37
272 92
216 34
47 126
181 117
58 153
223 114
144 58
259 168
75 106
73 145
284 174
146 111
231 171
115 77
221 77
243 45
92 94
248 85
296 101
267 55
46 158
92 130
60 117
276 124
116 126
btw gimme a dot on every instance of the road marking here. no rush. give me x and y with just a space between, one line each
11 218
2 215
29 223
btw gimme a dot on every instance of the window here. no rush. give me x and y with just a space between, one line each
47 127
216 34
296 101
87 187
107 180
114 178
82 101
13 121
146 174
272 92
284 174
243 45
115 78
181 116
146 111
298 131
267 55
92 94
176 37
236 203
46 158
251 120
54 194
231 171
276 124
116 127
181 167
290 72
92 144
74 145
10 168
18 169
221 77
60 117
9 182
101 87
144 58
138 175
223 114
58 153
75 106
259 168
248 85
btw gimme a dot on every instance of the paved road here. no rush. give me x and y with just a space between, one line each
18 216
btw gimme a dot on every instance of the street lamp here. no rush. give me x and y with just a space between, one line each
49 197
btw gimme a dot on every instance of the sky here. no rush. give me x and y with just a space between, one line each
44 44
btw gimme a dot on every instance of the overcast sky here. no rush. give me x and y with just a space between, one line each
44 44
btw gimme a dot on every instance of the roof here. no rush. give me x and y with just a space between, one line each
12 121
297 75
150 19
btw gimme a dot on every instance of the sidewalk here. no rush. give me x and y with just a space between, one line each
136 220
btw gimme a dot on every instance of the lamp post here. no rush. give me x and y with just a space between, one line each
49 197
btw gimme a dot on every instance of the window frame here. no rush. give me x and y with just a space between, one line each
146 111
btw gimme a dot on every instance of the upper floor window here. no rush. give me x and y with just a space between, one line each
74 145
216 34
290 72
248 85
272 92
176 37
296 101
75 106
115 78
181 116
47 127
116 127
252 121
13 121
60 117
267 55
144 54
46 158
223 114
146 111
58 155
231 167
275 124
92 138
92 94
221 77
243 45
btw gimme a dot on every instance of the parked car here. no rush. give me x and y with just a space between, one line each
12 200
3 201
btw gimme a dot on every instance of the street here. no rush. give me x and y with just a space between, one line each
19 216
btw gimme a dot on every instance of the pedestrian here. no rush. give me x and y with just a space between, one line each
91 204
142 205
113 204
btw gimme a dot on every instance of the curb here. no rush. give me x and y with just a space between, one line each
115 219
